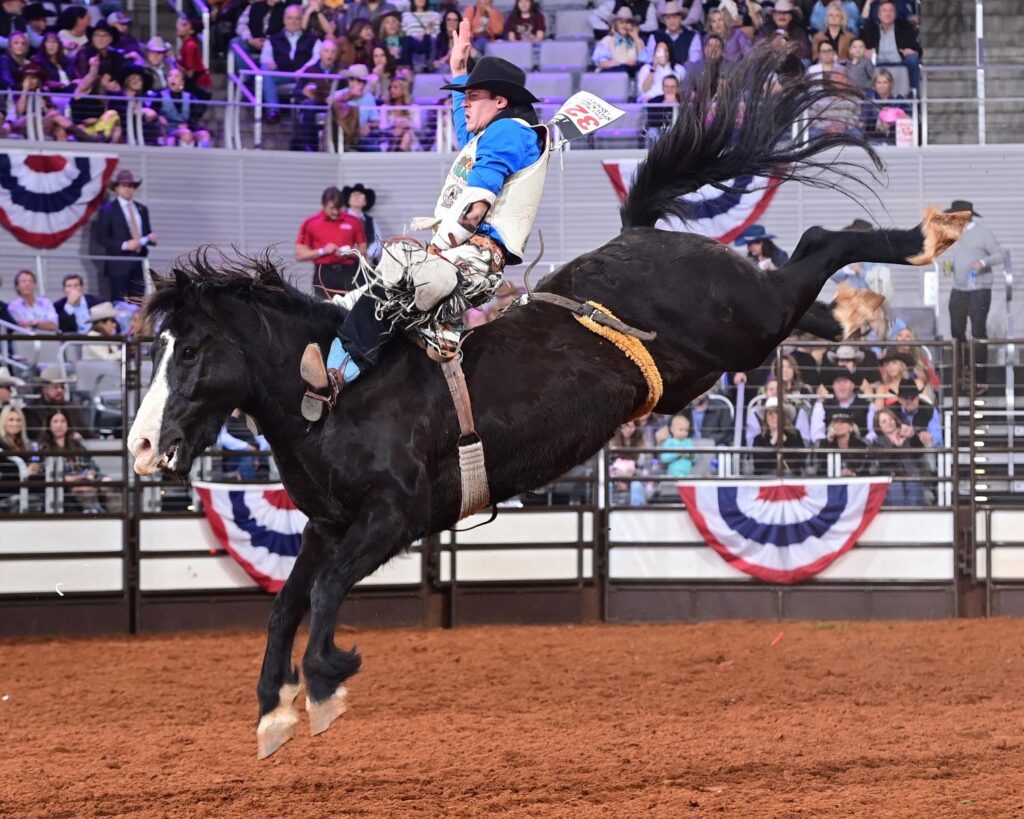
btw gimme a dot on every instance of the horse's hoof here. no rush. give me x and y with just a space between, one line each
278 726
322 714
854 308
940 231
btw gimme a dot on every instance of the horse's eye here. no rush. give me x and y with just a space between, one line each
189 353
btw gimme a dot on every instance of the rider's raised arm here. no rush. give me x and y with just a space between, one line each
462 135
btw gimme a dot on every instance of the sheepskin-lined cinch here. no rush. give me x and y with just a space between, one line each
635 351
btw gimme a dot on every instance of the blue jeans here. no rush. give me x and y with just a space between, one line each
905 493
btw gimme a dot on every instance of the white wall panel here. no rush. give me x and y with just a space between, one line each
42 576
176 535
862 563
481 565
534 527
59 535
193 573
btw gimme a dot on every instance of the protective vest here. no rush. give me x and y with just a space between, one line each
513 211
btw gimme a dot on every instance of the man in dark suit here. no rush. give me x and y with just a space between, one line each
73 309
123 229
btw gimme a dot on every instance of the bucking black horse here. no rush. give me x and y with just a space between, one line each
382 470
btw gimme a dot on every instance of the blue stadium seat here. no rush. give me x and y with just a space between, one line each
564 56
573 24
553 87
516 52
613 86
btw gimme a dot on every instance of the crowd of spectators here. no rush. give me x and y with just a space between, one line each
88 72
360 60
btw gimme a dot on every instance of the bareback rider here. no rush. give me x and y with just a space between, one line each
481 221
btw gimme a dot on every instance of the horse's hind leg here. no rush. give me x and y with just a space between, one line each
374 537
279 681
820 253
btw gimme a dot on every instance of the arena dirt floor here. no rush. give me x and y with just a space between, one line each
737 719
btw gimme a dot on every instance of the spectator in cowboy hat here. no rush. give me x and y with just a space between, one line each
359 201
645 13
36 17
787 22
157 62
970 261
765 463
854 359
54 393
103 318
683 41
843 397
918 414
101 45
8 382
356 96
622 50
843 434
761 250
123 229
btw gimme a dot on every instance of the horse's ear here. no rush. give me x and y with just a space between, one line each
185 286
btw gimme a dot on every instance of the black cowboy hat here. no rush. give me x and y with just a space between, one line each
499 77
962 204
29 70
35 11
103 25
906 389
369 193
135 68
894 354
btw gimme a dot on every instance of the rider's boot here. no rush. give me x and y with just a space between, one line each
327 380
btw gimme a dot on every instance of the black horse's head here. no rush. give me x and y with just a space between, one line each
215 330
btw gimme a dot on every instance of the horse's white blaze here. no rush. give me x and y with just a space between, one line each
149 419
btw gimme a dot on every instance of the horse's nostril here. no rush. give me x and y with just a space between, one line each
140 446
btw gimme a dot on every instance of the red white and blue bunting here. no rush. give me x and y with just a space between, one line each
46 198
258 526
721 215
783 531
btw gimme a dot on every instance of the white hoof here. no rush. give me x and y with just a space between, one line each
322 714
278 726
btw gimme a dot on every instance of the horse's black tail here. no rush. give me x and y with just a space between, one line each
746 128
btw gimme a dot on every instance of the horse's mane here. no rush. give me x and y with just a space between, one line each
252 278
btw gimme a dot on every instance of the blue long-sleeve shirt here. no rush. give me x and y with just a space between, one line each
504 148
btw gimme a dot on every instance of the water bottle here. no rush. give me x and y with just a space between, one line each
972 278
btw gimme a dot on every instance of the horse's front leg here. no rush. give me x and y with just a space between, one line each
279 681
377 533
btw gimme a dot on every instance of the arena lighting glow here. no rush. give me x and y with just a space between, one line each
979 444
982 486
981 498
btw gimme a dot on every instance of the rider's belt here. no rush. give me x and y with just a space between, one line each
629 344
497 251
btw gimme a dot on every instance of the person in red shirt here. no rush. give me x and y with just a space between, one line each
190 57
321 239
